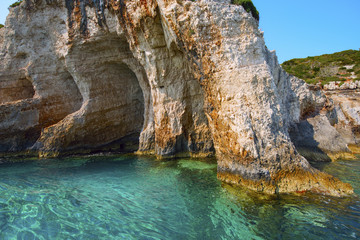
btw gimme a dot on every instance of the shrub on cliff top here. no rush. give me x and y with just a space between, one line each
1 25
15 4
311 68
248 6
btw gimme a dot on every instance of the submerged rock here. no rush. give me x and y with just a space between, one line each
190 77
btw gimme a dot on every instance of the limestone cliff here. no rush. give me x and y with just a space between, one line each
191 77
331 132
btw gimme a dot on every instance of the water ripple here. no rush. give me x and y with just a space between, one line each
126 197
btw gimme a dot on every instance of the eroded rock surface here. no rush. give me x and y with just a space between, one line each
190 77
331 132
345 116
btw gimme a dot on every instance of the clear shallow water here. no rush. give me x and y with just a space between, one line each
129 197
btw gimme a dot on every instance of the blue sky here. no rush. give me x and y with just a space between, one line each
302 28
4 9
299 28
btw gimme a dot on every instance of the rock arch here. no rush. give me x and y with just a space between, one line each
208 82
115 97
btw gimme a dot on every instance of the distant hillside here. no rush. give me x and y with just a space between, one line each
341 66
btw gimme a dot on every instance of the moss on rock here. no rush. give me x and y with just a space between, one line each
248 6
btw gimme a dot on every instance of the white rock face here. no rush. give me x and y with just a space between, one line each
333 131
36 89
337 85
191 77
347 114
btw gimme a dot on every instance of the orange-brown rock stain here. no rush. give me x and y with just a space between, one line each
77 12
130 25
293 181
259 186
163 133
312 181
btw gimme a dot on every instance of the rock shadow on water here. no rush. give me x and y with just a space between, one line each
302 135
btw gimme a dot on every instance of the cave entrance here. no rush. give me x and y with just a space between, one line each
113 86
120 107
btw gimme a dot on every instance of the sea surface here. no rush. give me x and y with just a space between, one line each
132 197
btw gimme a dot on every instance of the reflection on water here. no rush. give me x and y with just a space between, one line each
129 197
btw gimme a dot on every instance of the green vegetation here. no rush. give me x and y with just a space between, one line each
15 4
191 32
248 6
1 25
325 68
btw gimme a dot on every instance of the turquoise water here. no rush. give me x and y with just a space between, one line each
129 197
